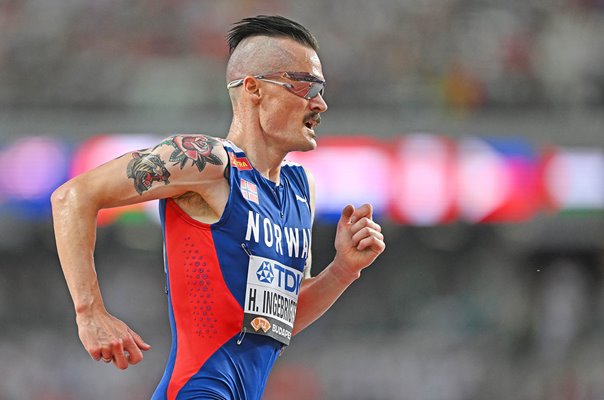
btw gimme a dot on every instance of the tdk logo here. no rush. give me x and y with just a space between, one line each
285 278
265 272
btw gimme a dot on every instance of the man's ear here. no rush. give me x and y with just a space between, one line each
251 87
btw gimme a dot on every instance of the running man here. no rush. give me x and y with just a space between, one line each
237 223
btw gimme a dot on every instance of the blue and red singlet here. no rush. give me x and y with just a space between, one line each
233 285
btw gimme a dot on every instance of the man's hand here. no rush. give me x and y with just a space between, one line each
358 241
109 339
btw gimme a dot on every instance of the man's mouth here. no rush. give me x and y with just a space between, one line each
312 121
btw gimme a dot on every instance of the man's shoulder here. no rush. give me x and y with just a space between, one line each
295 166
198 163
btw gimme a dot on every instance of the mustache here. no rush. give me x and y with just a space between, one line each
314 116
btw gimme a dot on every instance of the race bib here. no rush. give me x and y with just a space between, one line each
271 298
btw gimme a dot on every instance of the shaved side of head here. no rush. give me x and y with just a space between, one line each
257 55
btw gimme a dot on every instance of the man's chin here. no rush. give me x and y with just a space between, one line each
310 145
312 139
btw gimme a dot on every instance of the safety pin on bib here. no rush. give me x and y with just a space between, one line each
241 335
247 251
244 329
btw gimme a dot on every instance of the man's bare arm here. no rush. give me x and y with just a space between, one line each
358 243
175 166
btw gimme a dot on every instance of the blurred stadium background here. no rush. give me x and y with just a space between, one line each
476 127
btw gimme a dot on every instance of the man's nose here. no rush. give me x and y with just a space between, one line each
318 104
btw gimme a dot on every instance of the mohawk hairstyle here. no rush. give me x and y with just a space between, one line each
270 25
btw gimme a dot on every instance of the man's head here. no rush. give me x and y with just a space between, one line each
275 79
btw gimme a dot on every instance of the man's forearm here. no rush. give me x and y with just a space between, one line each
74 219
319 293
75 208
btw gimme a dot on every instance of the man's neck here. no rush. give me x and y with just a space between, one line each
265 158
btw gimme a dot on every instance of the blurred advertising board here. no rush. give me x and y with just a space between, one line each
348 170
498 180
33 168
423 188
416 179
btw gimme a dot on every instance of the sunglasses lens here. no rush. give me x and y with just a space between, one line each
315 89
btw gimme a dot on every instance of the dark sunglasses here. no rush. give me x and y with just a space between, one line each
305 85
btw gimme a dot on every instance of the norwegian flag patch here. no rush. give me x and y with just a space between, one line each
249 191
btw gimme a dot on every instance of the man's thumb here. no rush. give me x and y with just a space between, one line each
139 341
347 213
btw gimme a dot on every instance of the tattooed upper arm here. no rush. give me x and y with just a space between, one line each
146 168
181 151
197 149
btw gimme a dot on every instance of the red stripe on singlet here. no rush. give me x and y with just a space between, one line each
206 314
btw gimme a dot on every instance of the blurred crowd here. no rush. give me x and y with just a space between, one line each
459 54
451 312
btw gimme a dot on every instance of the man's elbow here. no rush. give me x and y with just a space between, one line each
70 195
58 196
64 194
